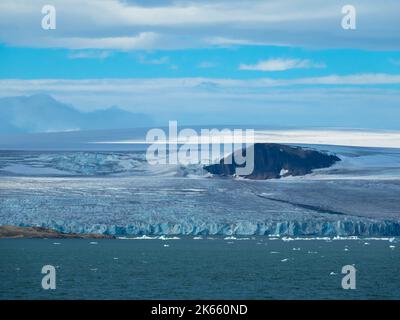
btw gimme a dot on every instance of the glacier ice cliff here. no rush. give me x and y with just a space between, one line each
287 228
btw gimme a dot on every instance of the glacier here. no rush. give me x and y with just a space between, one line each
118 193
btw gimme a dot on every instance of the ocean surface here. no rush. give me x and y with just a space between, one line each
186 268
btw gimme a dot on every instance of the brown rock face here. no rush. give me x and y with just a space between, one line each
273 161
39 232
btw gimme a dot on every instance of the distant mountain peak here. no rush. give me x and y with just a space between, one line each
43 113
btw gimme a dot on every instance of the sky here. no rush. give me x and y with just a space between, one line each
277 62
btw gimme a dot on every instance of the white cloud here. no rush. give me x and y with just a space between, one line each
207 64
89 55
346 101
144 40
146 85
143 59
124 25
281 65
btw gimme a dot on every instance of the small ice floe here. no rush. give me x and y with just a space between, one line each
166 245
283 172
93 269
93 242
345 238
392 247
305 238
296 249
312 252
284 260
197 238
230 238
143 237
115 258
273 252
381 238
168 238
333 273
346 249
366 243
56 243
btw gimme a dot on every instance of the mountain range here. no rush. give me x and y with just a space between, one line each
43 113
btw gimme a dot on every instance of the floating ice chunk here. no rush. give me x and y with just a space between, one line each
392 247
273 252
283 172
284 260
166 245
346 238
93 242
230 238
168 238
144 237
333 273
56 243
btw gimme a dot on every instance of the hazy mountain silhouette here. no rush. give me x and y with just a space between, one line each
42 113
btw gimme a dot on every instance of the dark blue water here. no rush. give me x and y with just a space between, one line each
199 269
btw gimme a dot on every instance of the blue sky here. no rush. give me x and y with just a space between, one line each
204 62
37 63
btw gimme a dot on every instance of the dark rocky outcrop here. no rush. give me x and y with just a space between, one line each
273 161
40 232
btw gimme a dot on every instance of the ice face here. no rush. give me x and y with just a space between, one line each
192 206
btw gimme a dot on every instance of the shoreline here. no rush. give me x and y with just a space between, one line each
14 232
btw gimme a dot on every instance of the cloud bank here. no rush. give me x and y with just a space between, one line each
148 25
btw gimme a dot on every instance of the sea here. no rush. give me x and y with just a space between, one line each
200 268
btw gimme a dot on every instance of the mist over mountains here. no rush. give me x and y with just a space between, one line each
43 113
